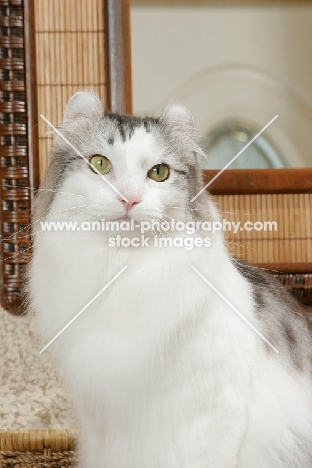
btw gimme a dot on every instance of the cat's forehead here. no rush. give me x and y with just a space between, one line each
141 141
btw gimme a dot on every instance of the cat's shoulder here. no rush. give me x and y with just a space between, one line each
284 317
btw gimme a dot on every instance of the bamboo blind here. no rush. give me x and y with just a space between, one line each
290 243
70 56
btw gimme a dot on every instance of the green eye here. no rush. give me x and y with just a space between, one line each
102 164
159 173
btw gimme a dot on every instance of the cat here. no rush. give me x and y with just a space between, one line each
161 370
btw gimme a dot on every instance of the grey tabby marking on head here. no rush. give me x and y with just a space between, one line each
126 124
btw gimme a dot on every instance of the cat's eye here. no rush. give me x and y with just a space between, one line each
101 163
159 173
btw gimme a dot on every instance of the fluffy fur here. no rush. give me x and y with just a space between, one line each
162 372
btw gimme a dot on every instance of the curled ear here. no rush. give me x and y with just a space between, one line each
83 104
176 114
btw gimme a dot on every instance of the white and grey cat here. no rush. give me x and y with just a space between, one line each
162 372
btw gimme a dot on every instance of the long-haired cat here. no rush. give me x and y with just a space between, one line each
161 370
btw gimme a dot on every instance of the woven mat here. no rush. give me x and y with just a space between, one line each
37 460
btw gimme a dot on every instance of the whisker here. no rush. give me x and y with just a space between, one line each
40 219
30 247
49 190
242 245
208 210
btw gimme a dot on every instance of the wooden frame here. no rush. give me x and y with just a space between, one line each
220 3
241 181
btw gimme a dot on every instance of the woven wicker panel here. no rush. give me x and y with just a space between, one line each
38 448
13 152
70 48
37 460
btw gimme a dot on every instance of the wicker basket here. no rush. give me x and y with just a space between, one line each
38 448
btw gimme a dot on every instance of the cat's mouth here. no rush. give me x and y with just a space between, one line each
127 217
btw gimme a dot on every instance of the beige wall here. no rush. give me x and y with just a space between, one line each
251 62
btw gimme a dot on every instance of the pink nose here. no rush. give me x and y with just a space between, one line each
129 204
